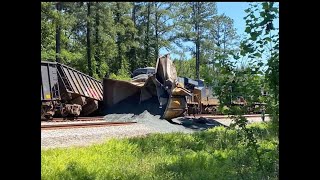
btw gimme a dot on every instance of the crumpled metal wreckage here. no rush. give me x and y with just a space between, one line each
162 84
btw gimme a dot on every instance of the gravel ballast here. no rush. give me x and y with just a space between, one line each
85 136
146 123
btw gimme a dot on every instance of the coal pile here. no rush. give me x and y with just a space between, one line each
149 114
131 110
133 106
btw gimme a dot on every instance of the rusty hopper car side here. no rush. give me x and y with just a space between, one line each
79 88
68 91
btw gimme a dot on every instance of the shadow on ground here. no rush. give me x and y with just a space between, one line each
196 123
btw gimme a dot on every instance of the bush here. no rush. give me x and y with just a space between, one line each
212 154
119 77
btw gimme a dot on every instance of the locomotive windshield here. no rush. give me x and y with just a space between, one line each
148 70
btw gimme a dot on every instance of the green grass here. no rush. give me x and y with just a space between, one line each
211 154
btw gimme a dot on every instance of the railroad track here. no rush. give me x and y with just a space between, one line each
223 116
83 122
71 119
82 125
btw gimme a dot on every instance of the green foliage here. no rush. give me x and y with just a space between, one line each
47 31
119 77
73 19
254 76
213 154
185 68
129 35
260 27
121 74
248 81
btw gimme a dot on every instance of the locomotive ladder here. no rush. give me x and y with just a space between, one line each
56 91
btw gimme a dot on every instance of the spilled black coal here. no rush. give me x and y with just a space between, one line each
132 105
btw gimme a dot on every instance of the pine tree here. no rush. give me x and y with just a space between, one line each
194 21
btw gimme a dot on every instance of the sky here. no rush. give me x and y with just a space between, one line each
235 10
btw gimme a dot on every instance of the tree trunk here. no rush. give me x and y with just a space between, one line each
224 40
133 16
118 38
58 34
97 50
88 39
197 41
133 52
147 35
156 31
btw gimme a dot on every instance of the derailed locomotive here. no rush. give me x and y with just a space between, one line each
202 101
68 92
